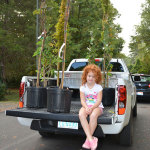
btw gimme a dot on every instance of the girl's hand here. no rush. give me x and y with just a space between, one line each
88 110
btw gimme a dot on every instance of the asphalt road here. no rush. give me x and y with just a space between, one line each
13 136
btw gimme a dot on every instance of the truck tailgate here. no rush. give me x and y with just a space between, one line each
108 117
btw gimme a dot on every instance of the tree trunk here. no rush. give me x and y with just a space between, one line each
39 61
104 79
2 63
65 40
7 1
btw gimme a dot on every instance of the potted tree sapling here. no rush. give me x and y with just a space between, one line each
108 47
37 96
59 98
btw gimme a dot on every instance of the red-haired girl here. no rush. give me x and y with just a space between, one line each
91 97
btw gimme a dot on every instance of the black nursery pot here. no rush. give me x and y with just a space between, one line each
58 100
36 97
108 98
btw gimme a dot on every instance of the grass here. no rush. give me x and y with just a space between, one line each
11 95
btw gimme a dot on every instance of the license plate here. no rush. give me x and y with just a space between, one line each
67 125
139 93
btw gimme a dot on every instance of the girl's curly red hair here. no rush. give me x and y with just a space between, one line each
92 68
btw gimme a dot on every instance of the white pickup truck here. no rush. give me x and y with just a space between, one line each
119 101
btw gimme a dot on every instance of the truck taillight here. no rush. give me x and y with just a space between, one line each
21 92
121 99
149 85
98 59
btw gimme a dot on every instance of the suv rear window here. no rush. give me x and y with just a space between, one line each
117 67
78 66
140 78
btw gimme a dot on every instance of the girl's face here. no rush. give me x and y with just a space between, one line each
90 78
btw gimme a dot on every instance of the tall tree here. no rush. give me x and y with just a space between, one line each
17 34
59 34
140 44
85 30
17 39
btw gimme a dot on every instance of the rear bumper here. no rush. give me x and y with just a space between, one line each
51 127
143 94
143 97
113 129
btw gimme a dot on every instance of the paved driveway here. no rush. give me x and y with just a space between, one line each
13 136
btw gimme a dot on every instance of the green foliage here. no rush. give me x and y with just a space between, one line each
11 95
59 34
84 39
140 45
108 37
48 57
17 39
36 12
137 66
2 90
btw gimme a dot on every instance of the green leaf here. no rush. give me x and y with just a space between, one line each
36 12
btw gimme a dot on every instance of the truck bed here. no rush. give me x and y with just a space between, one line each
106 118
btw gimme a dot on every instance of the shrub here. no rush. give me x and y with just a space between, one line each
2 90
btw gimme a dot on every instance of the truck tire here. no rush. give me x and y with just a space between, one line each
126 135
45 134
135 110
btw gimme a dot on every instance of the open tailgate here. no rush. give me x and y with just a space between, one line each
106 118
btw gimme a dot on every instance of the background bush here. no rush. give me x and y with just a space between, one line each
2 90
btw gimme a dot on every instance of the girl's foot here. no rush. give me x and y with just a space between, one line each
93 143
86 144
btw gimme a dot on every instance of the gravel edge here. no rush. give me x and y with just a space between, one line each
8 105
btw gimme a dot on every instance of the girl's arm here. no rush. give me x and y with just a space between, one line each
82 98
99 100
83 103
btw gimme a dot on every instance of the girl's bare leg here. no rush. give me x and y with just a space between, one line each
93 119
84 123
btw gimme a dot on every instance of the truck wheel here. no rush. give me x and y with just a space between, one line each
126 135
45 134
135 110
